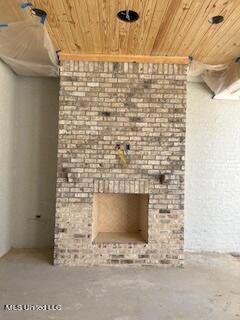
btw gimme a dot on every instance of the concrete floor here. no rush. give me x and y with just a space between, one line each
208 288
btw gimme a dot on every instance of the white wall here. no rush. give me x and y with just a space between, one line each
212 200
28 146
36 148
7 164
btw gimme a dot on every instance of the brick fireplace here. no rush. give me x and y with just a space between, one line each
121 146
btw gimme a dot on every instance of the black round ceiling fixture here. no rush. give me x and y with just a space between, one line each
237 60
39 13
216 19
128 15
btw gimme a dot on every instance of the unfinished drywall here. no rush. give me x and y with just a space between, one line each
7 135
212 201
36 144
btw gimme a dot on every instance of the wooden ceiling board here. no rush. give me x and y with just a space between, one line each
165 27
194 35
176 26
194 26
226 43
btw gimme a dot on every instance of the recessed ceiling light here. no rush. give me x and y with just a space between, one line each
39 13
128 15
216 19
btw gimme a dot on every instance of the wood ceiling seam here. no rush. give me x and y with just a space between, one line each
101 36
190 27
207 30
224 34
147 31
123 26
108 36
178 27
129 6
84 20
99 25
158 23
114 28
192 22
68 31
135 35
132 26
83 44
179 39
222 52
90 24
157 42
201 41
105 27
71 23
168 22
57 18
179 10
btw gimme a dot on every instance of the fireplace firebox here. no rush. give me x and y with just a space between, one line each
120 218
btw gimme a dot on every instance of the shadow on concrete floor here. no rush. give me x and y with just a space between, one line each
26 256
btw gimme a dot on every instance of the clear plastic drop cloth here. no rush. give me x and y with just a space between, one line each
223 80
27 48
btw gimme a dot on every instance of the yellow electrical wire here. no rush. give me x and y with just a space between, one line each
123 159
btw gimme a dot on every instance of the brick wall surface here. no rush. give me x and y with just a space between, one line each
103 104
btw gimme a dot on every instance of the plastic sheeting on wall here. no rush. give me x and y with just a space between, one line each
223 80
27 48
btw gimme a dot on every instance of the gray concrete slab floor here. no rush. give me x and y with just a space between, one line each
208 288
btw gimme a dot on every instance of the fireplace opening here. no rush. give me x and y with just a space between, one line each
120 218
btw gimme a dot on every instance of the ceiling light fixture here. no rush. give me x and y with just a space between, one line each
128 15
216 19
39 13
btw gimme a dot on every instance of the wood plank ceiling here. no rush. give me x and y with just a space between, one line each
165 27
